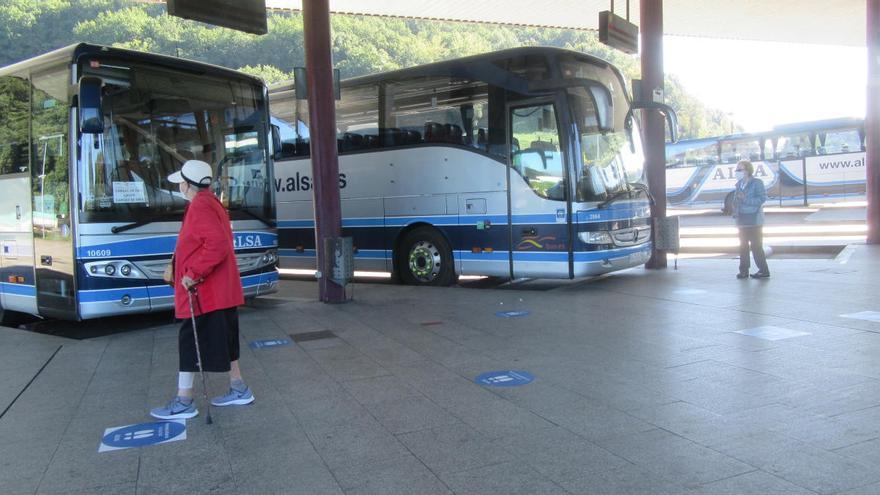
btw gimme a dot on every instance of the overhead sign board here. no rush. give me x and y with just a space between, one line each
617 32
243 15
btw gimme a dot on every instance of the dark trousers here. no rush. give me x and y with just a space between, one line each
752 236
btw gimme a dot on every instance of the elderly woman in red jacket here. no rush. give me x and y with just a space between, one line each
204 258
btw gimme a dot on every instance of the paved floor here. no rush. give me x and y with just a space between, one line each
642 385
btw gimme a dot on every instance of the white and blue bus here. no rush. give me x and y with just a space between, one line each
520 163
820 161
88 135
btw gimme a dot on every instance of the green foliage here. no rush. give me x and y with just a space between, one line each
268 73
360 45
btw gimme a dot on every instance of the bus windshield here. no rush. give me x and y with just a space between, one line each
608 165
608 161
154 120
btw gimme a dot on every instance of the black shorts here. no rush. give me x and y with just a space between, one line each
218 341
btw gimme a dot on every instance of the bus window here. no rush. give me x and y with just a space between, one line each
357 118
607 163
794 146
152 126
437 110
734 151
842 141
538 158
294 137
14 112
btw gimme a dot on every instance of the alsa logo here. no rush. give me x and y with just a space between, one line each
246 241
300 182
729 173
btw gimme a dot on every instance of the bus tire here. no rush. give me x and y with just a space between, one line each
425 258
12 318
727 209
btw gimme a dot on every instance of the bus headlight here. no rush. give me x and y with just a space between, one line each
115 269
595 237
270 257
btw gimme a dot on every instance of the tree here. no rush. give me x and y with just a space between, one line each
360 45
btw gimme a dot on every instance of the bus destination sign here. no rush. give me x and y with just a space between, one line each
617 32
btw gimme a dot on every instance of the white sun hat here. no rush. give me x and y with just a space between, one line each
195 172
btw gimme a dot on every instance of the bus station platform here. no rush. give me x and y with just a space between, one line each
683 381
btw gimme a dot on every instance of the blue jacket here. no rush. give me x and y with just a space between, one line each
749 211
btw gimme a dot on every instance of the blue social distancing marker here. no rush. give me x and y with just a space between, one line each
261 344
142 435
504 378
511 314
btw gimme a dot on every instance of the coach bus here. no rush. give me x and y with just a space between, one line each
821 161
520 163
88 135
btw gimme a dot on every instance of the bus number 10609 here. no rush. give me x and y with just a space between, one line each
98 253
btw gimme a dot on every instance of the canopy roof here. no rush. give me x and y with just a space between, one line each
841 22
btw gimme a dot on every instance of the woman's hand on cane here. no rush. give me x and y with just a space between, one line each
188 283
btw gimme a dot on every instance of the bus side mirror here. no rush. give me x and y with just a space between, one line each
664 109
276 142
91 112
604 107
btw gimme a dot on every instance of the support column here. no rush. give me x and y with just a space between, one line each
872 121
651 20
322 133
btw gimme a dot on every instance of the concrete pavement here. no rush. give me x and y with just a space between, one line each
643 384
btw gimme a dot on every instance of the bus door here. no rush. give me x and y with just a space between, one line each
537 200
50 189
16 244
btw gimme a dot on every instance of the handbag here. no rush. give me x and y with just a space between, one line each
168 273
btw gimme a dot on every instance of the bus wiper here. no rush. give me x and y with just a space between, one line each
141 223
268 223
642 187
614 197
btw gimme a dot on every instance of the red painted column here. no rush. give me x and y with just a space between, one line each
872 121
322 132
651 19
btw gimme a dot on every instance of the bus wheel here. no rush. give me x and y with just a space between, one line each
727 209
425 258
12 318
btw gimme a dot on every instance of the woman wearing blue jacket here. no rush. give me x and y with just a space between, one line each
748 209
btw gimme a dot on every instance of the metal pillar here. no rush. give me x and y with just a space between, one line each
651 19
872 121
322 132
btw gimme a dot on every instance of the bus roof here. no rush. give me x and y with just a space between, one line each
71 53
794 128
446 65
818 125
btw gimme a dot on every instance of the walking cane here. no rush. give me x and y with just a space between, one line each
192 314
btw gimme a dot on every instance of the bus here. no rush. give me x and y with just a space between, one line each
519 163
820 161
88 136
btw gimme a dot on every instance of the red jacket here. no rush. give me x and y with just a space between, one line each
204 252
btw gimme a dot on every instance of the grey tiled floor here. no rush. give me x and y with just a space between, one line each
643 385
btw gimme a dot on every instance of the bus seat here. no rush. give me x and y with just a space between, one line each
412 137
288 149
371 141
434 132
481 138
352 141
302 147
453 133
391 136
543 146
